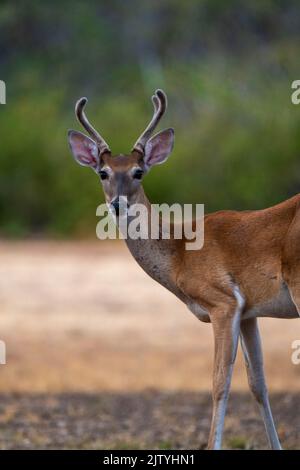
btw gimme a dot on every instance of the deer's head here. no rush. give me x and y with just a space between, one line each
121 175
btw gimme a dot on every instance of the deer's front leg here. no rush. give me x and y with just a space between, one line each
226 327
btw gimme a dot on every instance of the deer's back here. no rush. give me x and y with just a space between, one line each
252 251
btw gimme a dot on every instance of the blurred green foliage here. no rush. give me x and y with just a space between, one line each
227 68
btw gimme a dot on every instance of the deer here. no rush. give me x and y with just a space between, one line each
248 266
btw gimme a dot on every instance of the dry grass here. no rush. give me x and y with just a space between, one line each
83 317
100 356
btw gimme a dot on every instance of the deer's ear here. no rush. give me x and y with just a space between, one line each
159 147
84 149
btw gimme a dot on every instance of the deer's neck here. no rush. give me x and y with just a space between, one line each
159 258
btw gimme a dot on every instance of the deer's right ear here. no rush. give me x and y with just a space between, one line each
84 149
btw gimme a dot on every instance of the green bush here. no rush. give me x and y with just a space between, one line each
227 71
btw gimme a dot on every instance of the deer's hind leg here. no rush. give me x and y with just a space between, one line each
251 345
291 260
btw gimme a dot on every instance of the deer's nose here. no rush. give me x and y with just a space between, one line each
115 203
120 205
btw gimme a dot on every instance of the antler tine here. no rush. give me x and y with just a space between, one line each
155 102
159 100
81 116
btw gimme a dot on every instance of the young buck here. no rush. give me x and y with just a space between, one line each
247 268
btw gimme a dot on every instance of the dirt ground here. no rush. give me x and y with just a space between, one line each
138 420
99 355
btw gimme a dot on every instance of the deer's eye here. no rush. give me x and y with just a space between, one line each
138 174
103 174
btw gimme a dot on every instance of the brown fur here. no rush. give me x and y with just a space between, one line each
247 268
255 252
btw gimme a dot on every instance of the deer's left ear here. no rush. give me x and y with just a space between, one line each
159 147
84 149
